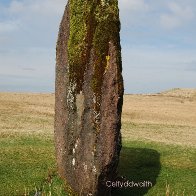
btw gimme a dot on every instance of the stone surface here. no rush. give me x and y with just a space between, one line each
88 95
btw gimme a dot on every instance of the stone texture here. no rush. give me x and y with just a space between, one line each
88 95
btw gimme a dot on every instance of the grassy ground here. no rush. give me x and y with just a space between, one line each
159 144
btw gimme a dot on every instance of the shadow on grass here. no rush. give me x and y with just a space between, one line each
137 165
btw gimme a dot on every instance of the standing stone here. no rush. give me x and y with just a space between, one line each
89 95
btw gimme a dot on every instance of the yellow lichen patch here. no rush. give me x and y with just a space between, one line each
107 62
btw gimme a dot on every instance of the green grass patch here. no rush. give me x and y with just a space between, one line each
27 165
24 163
170 168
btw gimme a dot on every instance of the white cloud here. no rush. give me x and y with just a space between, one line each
28 33
133 12
44 7
133 5
31 13
31 22
148 69
8 26
16 7
178 16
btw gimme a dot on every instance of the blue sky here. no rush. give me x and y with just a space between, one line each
158 39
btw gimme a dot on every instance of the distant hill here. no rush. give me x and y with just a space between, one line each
181 92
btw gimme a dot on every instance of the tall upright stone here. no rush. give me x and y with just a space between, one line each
89 95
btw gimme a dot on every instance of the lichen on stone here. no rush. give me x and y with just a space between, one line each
73 161
71 96
94 169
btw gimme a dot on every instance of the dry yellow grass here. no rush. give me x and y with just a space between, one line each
26 113
168 117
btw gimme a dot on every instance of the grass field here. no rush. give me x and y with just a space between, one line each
159 144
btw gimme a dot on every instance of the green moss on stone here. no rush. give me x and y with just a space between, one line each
76 42
93 24
107 29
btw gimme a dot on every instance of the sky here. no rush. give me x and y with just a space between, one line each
158 39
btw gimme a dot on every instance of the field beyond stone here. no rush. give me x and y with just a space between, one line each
159 144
